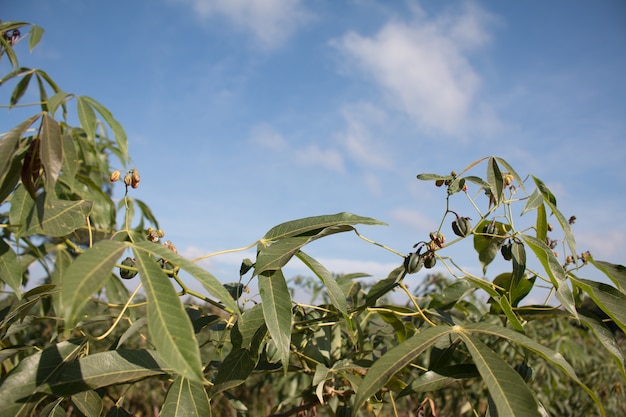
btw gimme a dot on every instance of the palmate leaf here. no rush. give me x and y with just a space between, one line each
276 304
208 281
18 389
86 275
186 398
170 328
507 389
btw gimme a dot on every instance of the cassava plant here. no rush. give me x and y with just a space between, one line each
95 319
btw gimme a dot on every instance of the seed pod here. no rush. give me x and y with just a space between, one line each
507 251
135 179
126 273
462 226
438 183
413 262
128 180
429 260
115 175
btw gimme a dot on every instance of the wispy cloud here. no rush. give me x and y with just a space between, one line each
328 158
423 65
270 22
265 136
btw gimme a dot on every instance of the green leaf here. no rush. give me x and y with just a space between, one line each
548 354
555 271
608 298
450 295
20 89
36 32
169 325
102 369
615 272
534 201
86 276
87 118
250 321
301 226
488 247
10 145
495 181
563 222
51 150
10 269
542 223
116 127
208 281
508 390
511 171
433 177
186 398
606 338
336 295
276 303
18 389
234 370
88 402
395 360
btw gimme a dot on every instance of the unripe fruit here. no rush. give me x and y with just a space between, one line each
462 226
525 371
507 251
429 260
413 263
125 273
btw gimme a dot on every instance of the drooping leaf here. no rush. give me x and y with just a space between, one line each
276 303
186 398
208 281
606 338
86 276
301 226
615 272
608 298
20 88
395 360
9 145
337 298
170 328
548 354
10 269
507 389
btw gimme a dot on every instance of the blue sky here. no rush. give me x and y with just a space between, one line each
244 114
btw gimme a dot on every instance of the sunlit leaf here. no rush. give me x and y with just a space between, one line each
507 389
511 171
20 385
88 402
186 398
20 89
87 117
301 226
550 200
615 272
116 127
395 360
36 32
170 328
608 298
86 276
276 303
495 180
554 270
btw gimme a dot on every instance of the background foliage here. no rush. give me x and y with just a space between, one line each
76 340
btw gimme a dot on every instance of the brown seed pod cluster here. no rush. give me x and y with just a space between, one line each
131 178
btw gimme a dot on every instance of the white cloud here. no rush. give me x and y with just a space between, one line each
265 136
312 155
423 65
357 140
270 22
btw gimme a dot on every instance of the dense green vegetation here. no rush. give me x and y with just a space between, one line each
107 326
